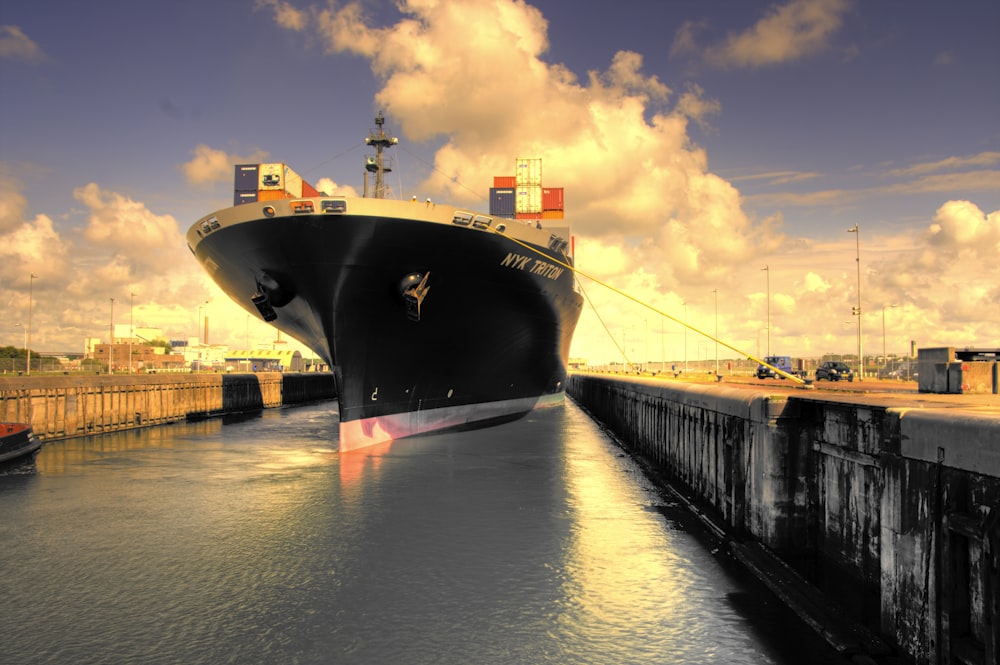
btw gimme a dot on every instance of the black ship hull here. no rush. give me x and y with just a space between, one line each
431 317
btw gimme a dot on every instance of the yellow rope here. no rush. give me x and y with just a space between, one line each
744 354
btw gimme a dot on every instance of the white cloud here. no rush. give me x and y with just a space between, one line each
331 188
788 32
650 218
15 45
210 166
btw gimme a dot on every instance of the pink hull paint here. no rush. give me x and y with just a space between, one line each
358 434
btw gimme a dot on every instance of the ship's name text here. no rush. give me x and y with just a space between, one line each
534 266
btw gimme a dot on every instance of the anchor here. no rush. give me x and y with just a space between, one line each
414 289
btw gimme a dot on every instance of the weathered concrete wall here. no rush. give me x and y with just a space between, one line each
941 371
66 406
891 512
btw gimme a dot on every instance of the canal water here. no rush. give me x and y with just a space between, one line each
250 540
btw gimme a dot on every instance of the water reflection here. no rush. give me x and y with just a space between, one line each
253 541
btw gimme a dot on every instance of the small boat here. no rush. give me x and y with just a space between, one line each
17 440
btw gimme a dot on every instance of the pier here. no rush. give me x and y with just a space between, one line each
60 407
874 515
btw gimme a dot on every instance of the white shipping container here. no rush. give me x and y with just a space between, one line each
528 171
528 199
272 176
293 183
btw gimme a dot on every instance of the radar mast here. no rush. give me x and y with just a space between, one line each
378 164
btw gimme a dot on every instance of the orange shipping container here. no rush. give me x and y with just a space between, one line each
308 190
272 195
552 214
504 181
552 198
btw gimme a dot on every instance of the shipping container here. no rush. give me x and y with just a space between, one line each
533 216
247 177
272 176
279 176
240 198
502 201
273 195
552 198
553 214
293 183
529 198
529 172
309 190
504 181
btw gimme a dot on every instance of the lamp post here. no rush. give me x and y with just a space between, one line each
767 269
27 343
131 328
716 292
111 337
685 337
24 330
857 310
885 360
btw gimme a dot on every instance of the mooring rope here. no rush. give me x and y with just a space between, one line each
566 264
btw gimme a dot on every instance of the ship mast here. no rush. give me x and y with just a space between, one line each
379 164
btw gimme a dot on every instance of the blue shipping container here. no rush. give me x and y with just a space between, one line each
247 177
502 201
245 197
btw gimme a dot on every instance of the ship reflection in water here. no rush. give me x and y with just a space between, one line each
251 541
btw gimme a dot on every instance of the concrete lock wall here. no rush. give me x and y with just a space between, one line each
890 514
60 407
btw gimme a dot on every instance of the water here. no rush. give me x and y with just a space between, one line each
251 541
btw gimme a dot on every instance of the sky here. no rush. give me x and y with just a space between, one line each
714 156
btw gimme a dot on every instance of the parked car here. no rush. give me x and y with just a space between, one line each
834 371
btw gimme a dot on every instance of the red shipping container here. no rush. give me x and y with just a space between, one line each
504 181
309 191
552 198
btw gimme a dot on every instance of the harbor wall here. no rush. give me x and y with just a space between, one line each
888 513
60 407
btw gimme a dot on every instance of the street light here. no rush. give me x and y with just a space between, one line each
716 292
685 336
131 328
111 337
857 310
767 269
885 360
25 331
27 344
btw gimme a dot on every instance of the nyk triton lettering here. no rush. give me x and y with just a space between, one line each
432 316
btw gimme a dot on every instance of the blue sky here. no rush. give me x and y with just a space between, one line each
697 142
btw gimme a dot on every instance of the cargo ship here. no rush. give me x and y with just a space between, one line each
431 316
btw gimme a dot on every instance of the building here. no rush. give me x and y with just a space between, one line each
264 360
144 357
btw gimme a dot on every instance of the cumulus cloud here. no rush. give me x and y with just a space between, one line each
787 32
612 138
15 45
331 188
124 227
642 200
210 166
960 226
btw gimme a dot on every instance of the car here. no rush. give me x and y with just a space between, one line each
784 363
834 371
